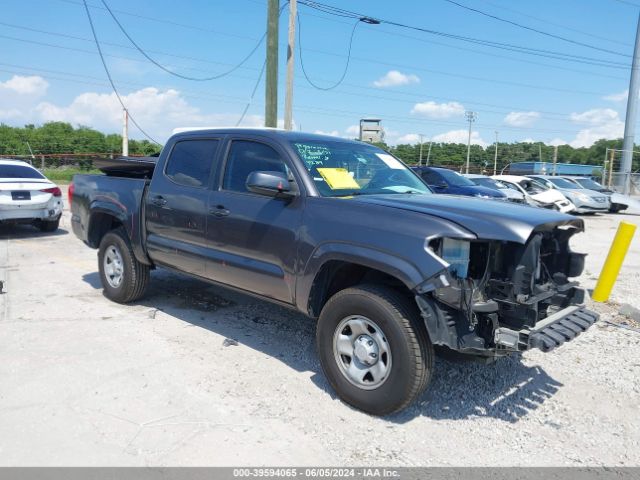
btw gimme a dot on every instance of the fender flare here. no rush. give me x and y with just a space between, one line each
400 268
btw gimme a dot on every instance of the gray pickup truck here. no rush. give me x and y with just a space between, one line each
347 234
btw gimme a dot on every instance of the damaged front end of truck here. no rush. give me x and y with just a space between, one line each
494 297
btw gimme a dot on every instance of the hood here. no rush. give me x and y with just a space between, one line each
510 222
474 190
549 196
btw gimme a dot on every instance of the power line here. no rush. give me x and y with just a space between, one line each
346 67
366 60
253 93
106 69
541 32
162 67
505 46
555 24
626 2
74 37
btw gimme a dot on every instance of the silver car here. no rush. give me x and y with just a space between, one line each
586 201
484 181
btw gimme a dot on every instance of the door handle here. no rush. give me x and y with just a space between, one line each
220 211
159 201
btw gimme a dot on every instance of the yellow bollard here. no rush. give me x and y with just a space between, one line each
612 265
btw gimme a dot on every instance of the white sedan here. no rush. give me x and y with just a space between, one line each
26 196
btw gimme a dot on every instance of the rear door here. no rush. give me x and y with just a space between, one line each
254 237
177 205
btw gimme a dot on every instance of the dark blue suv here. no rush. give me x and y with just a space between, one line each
443 180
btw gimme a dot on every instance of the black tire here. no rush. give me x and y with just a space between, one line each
614 208
411 350
135 275
49 226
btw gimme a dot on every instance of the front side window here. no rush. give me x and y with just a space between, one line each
455 179
191 162
19 171
341 169
246 157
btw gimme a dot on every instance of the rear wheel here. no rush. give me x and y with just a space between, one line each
123 277
374 348
48 225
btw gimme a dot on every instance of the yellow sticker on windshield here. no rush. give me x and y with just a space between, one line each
338 178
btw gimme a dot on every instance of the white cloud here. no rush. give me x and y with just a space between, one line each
353 130
332 133
157 111
460 136
18 95
31 85
617 97
438 110
394 78
528 140
557 142
521 119
602 123
596 116
409 138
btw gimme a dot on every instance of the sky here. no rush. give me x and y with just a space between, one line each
418 83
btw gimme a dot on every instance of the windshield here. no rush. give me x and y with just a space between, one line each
18 171
590 184
346 168
563 183
532 187
454 178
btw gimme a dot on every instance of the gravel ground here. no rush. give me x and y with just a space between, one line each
89 382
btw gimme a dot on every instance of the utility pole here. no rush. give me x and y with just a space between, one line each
555 159
495 158
125 133
471 117
420 160
540 151
611 159
429 152
271 82
630 121
288 98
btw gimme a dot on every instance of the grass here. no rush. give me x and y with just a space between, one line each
65 174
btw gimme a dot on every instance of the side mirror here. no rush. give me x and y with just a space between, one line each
271 184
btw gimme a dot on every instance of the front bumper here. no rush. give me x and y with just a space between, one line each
549 333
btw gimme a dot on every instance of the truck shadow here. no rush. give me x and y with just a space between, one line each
506 390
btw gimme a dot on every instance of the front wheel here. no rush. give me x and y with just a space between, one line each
123 277
374 348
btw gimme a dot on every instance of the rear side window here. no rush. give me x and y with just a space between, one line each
430 177
191 161
246 157
18 171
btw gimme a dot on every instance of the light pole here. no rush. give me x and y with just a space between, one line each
420 160
471 117
495 158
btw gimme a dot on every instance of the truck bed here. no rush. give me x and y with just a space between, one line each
128 167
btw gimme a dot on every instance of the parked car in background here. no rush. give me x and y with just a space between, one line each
618 202
586 201
537 194
443 180
26 196
488 182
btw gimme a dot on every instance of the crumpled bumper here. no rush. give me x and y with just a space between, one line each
553 331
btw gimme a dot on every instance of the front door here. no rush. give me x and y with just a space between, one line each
177 206
254 237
